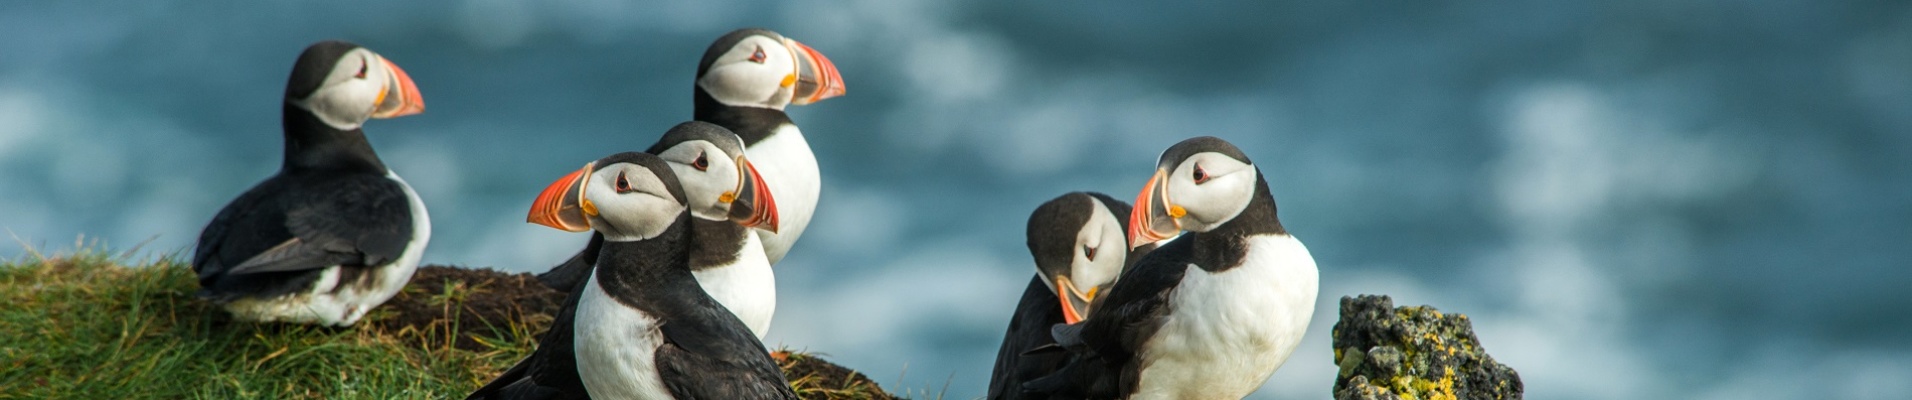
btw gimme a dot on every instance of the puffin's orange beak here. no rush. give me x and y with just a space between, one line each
1075 306
816 77
400 96
562 204
1154 217
751 204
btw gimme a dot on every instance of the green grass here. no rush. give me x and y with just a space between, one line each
88 326
84 326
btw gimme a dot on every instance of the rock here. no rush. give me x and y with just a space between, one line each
1415 353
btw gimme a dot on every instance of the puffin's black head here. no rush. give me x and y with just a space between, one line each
720 181
344 84
1199 184
755 67
627 196
1079 245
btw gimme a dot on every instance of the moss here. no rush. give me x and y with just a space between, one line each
1417 353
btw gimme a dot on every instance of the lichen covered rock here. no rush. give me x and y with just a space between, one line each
1413 353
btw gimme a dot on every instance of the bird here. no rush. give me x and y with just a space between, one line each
744 81
642 326
1208 315
1080 245
730 263
334 233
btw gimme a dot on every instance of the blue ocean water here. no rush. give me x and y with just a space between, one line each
1632 199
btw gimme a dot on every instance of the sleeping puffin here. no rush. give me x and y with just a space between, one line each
1080 245
639 327
335 232
743 83
1209 315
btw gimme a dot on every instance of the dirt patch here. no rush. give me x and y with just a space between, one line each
464 306
816 379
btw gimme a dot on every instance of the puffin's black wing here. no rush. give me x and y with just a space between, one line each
300 223
1103 347
551 372
1028 330
577 269
711 355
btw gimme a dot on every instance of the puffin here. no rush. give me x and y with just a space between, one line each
1080 245
1208 315
744 81
644 324
334 233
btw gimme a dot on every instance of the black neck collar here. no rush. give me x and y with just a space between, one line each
310 144
715 243
645 272
753 124
1224 247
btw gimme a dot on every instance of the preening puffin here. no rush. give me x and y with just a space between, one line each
335 232
633 326
1080 245
1209 315
743 83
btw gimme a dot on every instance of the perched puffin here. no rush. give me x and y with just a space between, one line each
1080 246
641 326
335 232
744 81
1210 314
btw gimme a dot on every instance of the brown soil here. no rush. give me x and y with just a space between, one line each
469 304
816 379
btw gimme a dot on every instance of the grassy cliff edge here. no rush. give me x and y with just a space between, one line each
89 326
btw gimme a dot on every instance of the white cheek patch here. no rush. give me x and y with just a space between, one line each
745 84
345 101
1103 232
1226 193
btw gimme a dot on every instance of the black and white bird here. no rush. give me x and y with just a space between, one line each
1209 315
1080 245
641 326
744 81
729 261
334 233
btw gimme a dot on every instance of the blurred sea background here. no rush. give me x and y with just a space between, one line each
1633 199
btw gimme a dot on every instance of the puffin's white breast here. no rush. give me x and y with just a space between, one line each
1227 332
790 169
615 348
748 287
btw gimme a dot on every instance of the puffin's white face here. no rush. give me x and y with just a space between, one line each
627 202
757 72
1098 255
362 85
1202 192
1100 251
1212 188
710 177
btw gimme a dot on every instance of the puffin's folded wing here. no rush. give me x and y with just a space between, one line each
295 255
704 360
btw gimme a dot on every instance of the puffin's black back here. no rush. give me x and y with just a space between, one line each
331 195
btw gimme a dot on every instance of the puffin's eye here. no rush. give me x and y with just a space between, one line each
757 56
363 66
623 185
1088 252
1200 175
701 163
